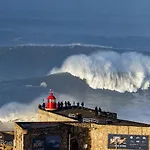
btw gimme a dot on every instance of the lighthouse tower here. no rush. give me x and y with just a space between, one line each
51 102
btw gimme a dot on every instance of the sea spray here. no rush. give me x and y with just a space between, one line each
129 71
14 111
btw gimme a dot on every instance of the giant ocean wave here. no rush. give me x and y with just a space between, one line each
103 67
122 72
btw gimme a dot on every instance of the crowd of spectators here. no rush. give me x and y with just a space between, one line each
64 105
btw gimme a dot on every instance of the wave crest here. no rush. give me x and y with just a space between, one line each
110 70
67 45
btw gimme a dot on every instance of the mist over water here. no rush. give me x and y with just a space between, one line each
129 106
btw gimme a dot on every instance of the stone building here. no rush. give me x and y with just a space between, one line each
79 129
74 127
104 132
51 135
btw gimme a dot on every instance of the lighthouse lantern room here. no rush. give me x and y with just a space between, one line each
51 102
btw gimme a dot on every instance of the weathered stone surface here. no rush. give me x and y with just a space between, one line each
95 136
68 131
50 116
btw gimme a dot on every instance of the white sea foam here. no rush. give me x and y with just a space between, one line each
28 85
15 111
12 112
128 71
67 45
43 84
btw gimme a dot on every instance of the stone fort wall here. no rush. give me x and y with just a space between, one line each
18 137
44 116
98 133
24 137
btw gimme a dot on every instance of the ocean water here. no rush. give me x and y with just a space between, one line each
92 51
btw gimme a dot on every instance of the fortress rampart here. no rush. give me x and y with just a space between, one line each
44 116
98 134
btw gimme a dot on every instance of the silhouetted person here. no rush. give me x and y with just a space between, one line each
58 105
100 110
61 104
96 110
43 105
78 104
39 106
69 104
65 104
82 104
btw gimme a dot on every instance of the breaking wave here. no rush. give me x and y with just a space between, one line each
125 72
66 45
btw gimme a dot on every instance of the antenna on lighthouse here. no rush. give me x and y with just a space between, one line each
51 91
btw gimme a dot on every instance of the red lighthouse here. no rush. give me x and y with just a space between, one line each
51 102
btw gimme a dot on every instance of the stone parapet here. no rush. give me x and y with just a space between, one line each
44 115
